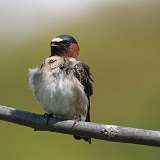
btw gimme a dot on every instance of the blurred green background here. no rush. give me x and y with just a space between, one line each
120 40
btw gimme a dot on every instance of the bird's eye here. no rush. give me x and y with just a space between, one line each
60 43
64 42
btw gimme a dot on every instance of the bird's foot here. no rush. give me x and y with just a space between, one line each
48 116
77 118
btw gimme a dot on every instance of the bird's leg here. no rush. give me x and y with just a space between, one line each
77 118
47 116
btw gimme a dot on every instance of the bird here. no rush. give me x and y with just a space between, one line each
63 84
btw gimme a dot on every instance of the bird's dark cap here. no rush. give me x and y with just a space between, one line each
68 38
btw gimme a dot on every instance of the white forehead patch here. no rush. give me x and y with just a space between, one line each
57 39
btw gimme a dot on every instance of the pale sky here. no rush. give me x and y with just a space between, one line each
18 16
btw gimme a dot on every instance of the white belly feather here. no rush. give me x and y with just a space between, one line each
63 95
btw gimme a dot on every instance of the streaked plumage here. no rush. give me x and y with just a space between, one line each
58 86
62 84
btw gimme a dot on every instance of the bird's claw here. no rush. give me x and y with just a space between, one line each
48 116
76 119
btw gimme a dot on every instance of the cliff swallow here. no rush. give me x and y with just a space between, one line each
63 84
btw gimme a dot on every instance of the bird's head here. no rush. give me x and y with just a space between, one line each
64 46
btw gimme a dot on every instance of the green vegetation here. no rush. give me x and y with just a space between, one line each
121 44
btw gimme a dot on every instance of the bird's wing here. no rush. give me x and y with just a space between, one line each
82 73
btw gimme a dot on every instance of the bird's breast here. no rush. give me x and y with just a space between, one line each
63 95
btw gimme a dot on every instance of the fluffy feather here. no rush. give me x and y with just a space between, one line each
58 91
